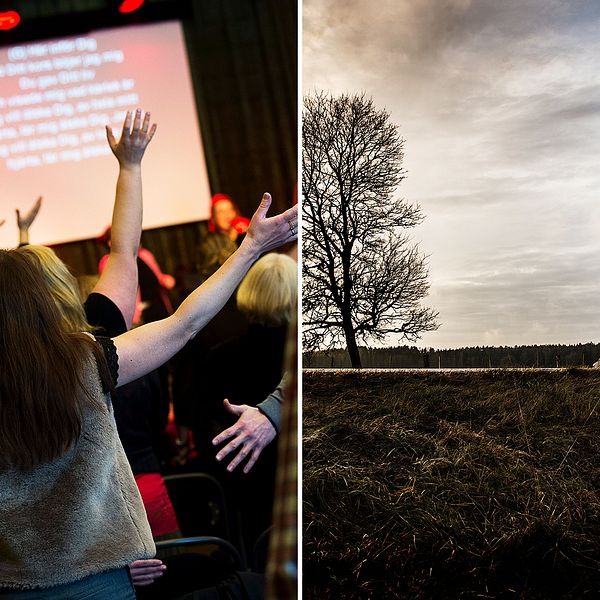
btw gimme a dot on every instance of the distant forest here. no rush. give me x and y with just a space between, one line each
411 357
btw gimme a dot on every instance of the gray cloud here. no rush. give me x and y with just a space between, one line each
537 297
499 103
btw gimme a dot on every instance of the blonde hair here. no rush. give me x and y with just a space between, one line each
62 286
85 285
269 292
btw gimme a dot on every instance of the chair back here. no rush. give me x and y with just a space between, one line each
260 551
200 505
213 547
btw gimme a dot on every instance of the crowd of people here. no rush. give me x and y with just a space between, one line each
94 372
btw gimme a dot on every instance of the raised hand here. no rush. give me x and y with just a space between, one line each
251 433
272 232
119 279
130 149
149 346
25 221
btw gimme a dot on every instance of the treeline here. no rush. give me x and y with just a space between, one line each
411 357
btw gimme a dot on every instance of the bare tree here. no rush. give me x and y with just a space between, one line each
362 276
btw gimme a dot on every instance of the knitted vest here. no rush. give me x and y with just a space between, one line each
79 515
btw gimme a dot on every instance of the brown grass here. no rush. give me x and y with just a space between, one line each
457 485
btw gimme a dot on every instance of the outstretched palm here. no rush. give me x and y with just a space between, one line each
130 149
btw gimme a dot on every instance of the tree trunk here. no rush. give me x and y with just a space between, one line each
351 345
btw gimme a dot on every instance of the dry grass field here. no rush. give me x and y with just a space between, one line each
433 485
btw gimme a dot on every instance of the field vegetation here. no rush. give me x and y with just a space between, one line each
441 485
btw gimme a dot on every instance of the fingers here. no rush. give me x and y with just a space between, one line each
144 572
152 132
149 571
233 444
137 122
241 455
234 409
146 562
135 137
127 124
291 218
255 454
291 214
141 129
35 209
225 435
264 205
112 142
2 221
141 580
146 123
293 226
29 217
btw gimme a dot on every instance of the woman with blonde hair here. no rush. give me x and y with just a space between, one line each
61 284
243 371
140 407
269 292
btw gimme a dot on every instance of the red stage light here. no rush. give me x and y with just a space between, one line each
9 19
130 5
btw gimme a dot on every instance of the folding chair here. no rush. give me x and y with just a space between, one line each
200 505
212 547
260 551
193 563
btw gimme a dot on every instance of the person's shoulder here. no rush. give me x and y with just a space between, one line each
112 361
103 313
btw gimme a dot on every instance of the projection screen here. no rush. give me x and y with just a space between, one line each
55 98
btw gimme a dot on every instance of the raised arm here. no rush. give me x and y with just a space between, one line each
119 280
145 348
25 221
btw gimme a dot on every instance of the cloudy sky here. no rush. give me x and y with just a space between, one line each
499 104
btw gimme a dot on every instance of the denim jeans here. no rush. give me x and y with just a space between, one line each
110 585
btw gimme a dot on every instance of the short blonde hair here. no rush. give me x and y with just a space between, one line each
269 292
62 286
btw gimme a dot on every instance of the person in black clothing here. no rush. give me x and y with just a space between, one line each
254 429
245 370
216 247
